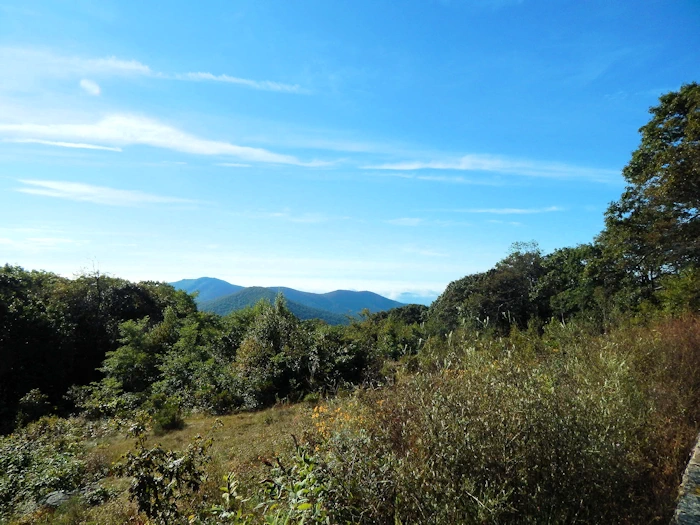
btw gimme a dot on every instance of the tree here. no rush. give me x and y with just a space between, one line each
654 229
499 298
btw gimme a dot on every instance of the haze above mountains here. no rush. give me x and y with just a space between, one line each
221 297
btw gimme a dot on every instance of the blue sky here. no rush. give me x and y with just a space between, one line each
321 145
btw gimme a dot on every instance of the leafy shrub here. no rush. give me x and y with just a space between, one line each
33 405
166 414
104 399
162 479
296 493
43 457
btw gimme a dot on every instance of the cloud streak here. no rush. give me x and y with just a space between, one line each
80 192
74 145
417 221
508 211
125 130
44 63
262 85
505 165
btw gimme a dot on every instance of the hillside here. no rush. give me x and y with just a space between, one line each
208 287
250 296
215 295
340 301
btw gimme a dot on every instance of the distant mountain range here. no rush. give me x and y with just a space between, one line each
207 288
221 297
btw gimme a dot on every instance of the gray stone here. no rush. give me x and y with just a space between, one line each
688 509
56 498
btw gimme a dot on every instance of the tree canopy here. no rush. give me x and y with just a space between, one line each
654 229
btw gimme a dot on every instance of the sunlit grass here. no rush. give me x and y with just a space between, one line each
240 443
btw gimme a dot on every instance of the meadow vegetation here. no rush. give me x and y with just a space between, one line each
552 388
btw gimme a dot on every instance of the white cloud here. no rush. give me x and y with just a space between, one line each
492 163
263 85
90 87
124 130
75 145
97 194
441 178
27 62
416 221
509 211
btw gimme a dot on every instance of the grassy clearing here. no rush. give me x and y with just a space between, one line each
240 442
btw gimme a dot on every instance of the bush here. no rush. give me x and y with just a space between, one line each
39 459
33 405
571 429
166 414
162 479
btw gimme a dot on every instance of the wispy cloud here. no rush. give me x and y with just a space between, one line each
123 130
37 62
264 85
442 178
497 164
90 87
417 221
506 211
77 191
75 145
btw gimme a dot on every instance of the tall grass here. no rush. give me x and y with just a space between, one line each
568 427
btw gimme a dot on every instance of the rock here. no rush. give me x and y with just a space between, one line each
56 498
688 509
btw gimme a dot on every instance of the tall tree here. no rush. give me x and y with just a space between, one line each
654 229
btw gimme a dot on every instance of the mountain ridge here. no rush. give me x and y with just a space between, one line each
334 307
207 287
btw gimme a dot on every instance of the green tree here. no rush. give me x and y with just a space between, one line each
654 229
499 298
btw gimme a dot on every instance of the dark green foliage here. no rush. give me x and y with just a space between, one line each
496 299
56 332
409 314
654 229
35 339
166 414
32 406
